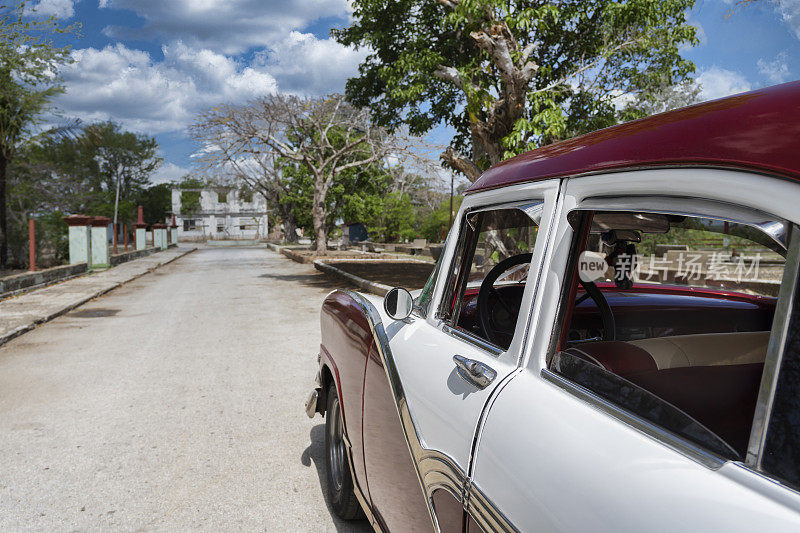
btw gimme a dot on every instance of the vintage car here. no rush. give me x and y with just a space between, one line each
609 341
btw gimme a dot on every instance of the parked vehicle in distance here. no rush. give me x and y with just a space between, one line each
610 341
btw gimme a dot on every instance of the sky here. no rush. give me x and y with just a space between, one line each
152 65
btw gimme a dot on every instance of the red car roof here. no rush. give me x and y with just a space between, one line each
759 130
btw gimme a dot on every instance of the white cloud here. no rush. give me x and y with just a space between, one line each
231 27
127 86
62 9
790 11
303 64
777 70
717 82
169 172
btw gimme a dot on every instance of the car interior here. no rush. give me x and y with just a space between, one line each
689 340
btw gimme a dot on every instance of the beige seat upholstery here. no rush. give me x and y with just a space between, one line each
707 349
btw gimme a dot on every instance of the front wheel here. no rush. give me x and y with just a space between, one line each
340 480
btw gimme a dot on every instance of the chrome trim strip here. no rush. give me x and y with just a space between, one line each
472 339
434 469
775 227
362 500
486 514
663 436
777 341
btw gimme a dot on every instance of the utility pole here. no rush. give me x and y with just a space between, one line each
450 224
116 205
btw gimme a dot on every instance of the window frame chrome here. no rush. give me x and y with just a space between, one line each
775 348
534 209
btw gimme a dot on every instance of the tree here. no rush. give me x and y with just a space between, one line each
53 175
29 63
230 147
511 75
156 202
125 160
352 185
326 136
94 162
434 226
662 100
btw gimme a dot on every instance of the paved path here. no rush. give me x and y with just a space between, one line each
174 402
22 313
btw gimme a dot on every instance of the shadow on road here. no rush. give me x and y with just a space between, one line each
315 453
320 281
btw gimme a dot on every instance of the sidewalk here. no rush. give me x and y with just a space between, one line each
22 313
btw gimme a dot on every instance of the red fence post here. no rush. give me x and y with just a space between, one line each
126 236
32 245
116 228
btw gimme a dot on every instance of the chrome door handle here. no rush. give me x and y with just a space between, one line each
474 372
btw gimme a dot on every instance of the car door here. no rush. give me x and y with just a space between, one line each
564 450
441 403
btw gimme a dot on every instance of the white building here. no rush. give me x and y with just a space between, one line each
222 214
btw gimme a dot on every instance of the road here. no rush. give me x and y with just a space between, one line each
174 402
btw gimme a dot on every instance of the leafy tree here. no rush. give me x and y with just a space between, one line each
125 160
156 202
511 75
388 218
326 137
63 175
29 63
434 227
352 184
93 163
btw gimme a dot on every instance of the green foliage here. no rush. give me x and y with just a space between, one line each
63 175
584 54
29 80
29 64
348 188
434 226
190 200
388 218
156 202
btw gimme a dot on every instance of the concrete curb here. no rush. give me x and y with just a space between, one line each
370 286
77 303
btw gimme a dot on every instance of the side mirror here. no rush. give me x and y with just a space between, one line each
398 303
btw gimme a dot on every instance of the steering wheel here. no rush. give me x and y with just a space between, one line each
488 293
606 315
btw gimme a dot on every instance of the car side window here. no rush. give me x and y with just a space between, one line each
668 318
489 273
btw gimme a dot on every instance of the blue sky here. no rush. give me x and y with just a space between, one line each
151 65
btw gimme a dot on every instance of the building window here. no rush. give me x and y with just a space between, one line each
222 197
189 225
220 228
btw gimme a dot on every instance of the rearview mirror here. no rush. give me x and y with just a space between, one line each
398 303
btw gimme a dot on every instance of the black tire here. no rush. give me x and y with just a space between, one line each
339 478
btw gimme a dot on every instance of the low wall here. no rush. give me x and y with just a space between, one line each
11 285
365 285
124 257
232 242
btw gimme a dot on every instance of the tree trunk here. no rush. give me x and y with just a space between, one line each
3 217
319 214
289 224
